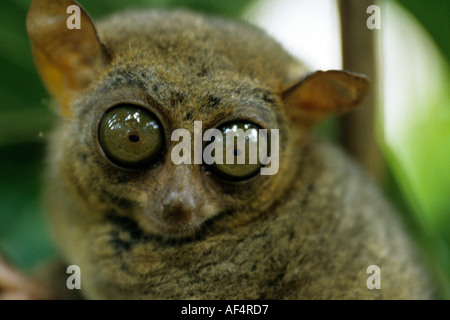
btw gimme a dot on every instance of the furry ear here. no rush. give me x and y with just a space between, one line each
322 93
67 59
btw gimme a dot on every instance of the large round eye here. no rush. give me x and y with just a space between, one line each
241 143
131 136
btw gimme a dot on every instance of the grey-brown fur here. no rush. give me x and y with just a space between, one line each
309 232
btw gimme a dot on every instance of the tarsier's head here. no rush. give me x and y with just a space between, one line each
124 88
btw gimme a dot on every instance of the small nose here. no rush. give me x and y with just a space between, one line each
178 208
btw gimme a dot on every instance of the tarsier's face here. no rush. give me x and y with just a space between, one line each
122 146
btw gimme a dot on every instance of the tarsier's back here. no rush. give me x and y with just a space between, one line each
143 220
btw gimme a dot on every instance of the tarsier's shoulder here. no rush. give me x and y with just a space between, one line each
340 178
355 215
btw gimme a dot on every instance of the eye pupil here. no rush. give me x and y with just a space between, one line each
133 138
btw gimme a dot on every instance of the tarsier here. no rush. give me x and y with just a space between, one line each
140 226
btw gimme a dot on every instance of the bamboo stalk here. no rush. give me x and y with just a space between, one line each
358 134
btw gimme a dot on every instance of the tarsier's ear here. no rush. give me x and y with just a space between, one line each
323 93
67 59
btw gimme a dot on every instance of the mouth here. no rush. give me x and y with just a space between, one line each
178 229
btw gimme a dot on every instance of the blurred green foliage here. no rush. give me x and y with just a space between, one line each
422 172
26 119
434 16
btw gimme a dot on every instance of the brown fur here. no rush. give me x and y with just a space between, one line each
308 232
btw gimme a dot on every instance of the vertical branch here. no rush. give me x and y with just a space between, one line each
358 49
